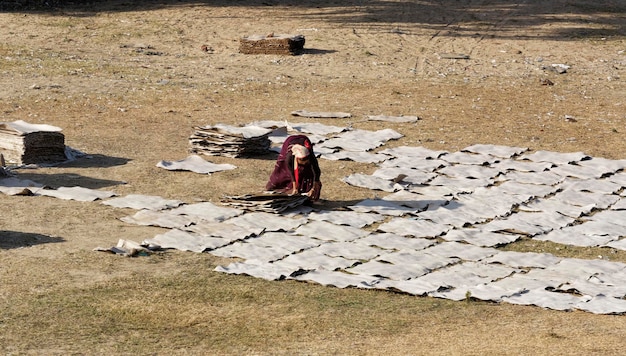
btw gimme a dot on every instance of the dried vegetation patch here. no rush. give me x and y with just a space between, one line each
127 82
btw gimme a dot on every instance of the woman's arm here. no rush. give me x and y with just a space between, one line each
315 166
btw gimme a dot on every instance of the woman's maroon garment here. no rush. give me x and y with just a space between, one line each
283 175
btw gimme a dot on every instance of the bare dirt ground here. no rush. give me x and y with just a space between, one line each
127 81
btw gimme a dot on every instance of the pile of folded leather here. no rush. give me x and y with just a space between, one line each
230 141
25 143
266 202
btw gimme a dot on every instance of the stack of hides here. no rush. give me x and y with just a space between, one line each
24 143
269 202
230 141
272 44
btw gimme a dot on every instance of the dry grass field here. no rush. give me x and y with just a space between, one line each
127 81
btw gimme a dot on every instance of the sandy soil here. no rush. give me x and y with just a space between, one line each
127 81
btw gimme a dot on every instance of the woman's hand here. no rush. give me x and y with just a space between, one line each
314 193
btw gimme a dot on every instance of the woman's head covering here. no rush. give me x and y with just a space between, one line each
299 151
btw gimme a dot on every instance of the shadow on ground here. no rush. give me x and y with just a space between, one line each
17 239
498 18
56 180
95 161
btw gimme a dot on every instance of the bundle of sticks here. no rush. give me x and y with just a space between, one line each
272 44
